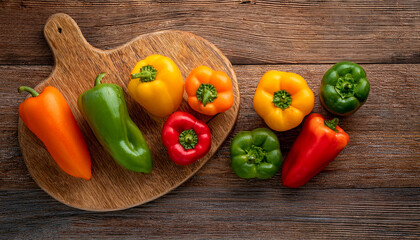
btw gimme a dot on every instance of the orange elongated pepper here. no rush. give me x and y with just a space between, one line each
209 92
50 118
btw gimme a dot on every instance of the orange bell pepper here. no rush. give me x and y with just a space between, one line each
209 92
50 118
283 99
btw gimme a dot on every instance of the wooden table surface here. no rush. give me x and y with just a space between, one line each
372 190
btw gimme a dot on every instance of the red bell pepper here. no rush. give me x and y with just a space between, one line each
319 143
186 138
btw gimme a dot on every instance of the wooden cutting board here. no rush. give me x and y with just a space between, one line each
77 64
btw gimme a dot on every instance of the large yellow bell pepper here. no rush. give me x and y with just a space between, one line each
283 99
157 85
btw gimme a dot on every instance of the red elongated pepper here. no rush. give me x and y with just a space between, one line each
186 138
319 143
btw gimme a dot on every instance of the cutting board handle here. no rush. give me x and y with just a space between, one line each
65 38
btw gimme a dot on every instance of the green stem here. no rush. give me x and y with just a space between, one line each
188 139
282 99
206 96
146 74
99 78
28 89
206 93
256 155
347 86
332 124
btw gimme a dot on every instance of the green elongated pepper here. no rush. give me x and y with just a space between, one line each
105 110
344 88
256 154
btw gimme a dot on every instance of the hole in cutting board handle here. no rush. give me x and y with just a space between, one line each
61 26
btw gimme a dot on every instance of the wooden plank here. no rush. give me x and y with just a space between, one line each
248 32
384 148
228 212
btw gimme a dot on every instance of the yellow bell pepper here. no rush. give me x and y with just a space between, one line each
157 85
283 99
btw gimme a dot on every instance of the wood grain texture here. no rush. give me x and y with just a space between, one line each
384 148
248 32
223 212
370 192
76 65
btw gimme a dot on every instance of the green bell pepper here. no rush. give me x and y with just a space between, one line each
105 110
256 154
344 88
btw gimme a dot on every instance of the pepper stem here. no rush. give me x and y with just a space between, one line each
332 124
345 86
206 96
255 155
206 93
146 74
188 139
28 89
282 99
99 78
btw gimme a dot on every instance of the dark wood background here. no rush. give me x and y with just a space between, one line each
372 190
